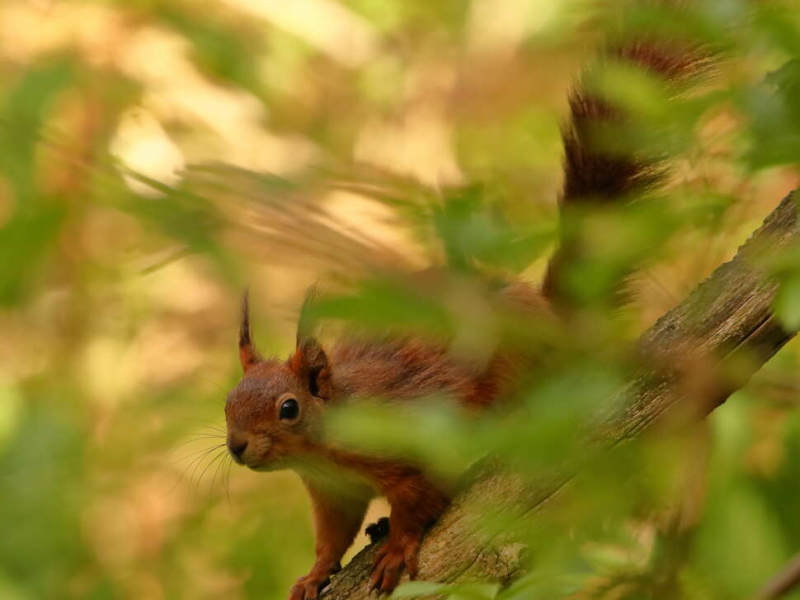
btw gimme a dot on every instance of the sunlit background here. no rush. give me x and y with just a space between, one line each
157 156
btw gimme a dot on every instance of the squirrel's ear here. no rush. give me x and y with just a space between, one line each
310 364
247 351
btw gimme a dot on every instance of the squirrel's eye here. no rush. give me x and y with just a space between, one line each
289 409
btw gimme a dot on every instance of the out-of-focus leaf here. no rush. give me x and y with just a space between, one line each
35 220
219 48
779 25
415 589
475 591
474 234
787 303
541 586
185 216
774 110
21 116
630 89
614 242
10 410
736 514
430 431
382 303
25 242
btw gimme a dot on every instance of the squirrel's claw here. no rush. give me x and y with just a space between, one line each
389 563
308 587
411 557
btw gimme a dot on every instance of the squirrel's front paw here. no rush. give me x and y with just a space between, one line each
308 587
389 563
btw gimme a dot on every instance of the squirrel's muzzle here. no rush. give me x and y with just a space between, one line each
237 447
249 449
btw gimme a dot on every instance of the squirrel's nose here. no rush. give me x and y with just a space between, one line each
237 448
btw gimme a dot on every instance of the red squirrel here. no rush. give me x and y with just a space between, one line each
275 414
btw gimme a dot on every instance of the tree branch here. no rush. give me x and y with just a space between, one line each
728 317
784 582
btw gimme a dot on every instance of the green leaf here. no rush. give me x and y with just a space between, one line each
26 107
25 242
468 591
415 589
476 591
787 303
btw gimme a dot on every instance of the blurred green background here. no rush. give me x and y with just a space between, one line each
156 156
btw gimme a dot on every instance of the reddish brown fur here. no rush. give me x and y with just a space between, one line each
341 483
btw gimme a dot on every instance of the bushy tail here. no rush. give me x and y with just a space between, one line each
596 174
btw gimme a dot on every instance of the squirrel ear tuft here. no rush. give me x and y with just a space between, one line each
310 363
306 322
248 355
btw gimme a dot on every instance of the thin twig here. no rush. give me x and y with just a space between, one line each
783 582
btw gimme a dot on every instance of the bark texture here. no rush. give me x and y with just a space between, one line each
727 318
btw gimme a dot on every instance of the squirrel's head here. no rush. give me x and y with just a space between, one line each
273 414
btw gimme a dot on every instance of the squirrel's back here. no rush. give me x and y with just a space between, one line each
404 367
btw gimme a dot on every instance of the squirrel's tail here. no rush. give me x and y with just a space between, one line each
597 173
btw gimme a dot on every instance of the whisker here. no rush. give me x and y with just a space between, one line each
196 439
217 471
183 472
199 465
203 453
228 484
204 422
208 428
212 429
195 453
196 460
199 436
207 436
196 466
219 462
208 466
221 386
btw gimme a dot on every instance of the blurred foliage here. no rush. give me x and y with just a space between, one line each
156 156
